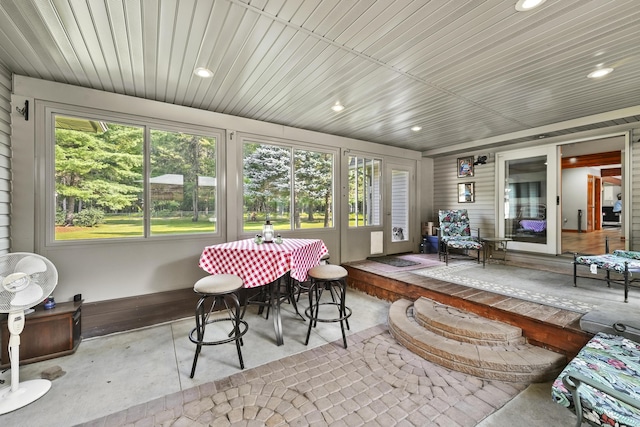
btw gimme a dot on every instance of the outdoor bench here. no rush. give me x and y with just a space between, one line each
623 262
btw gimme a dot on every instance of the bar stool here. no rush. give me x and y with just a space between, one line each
332 278
304 286
220 287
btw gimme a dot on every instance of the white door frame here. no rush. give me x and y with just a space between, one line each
550 151
409 244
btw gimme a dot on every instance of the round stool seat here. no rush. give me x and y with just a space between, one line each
328 272
218 284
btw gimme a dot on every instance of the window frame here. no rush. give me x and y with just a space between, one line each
366 157
45 157
292 145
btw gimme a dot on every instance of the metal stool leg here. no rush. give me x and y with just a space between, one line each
313 309
341 296
235 315
343 316
201 319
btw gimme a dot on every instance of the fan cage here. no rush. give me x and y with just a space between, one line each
46 280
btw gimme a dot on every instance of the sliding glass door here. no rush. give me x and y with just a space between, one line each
527 207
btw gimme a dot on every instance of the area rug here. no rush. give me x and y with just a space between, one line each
530 285
393 261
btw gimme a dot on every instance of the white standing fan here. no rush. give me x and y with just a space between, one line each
25 280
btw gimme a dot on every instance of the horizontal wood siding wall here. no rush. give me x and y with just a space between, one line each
634 232
5 158
445 189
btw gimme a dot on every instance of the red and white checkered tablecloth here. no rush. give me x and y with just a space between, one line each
261 264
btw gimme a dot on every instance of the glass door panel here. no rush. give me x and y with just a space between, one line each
400 208
525 200
527 211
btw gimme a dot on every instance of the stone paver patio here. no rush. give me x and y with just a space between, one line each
375 381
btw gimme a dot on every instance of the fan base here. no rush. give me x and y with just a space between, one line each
28 392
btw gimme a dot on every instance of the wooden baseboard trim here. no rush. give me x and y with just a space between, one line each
123 314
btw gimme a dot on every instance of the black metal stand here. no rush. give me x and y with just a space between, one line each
239 326
271 296
338 290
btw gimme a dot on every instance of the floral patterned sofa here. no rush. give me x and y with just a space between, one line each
622 262
602 383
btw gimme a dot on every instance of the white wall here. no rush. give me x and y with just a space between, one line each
108 270
5 157
445 191
574 196
610 193
425 186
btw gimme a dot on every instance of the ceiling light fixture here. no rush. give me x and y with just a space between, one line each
600 72
416 128
525 5
203 72
337 107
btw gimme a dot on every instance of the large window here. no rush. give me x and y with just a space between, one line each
101 189
291 187
182 183
365 176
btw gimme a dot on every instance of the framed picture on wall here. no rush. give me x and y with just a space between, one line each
466 192
465 167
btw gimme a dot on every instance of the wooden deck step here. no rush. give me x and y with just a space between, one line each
520 362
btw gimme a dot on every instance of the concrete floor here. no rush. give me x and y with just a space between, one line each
112 373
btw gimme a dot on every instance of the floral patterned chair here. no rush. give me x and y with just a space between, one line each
454 232
602 383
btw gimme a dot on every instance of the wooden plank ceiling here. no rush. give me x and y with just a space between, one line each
462 70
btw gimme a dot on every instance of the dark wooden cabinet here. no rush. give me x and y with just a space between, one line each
47 333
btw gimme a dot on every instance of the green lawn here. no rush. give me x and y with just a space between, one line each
122 226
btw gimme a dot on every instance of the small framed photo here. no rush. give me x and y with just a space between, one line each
465 167
466 192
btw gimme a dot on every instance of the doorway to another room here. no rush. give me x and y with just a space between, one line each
592 180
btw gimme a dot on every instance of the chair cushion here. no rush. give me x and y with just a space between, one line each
609 262
463 244
454 222
627 254
611 360
218 284
327 272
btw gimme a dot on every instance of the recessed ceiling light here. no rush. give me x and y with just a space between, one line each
416 128
600 72
203 72
337 106
524 5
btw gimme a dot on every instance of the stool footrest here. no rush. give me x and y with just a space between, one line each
243 326
346 315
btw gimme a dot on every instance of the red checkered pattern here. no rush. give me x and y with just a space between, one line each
262 264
